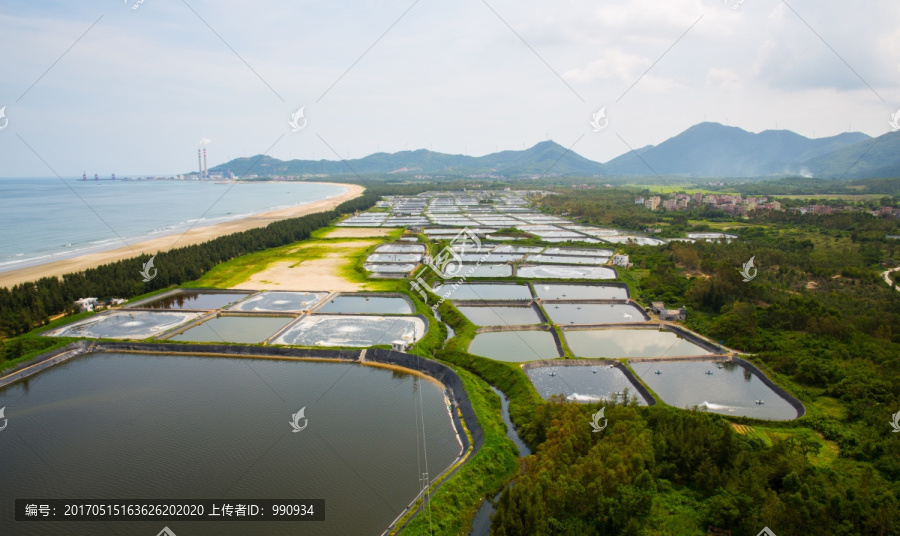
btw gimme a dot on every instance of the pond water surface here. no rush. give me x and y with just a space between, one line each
239 329
142 426
367 304
593 313
729 390
195 299
515 346
500 316
584 383
620 343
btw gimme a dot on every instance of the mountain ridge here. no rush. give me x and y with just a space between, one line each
704 150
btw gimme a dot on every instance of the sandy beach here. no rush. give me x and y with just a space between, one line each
165 243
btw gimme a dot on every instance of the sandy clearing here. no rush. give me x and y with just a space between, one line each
358 232
350 244
314 274
194 236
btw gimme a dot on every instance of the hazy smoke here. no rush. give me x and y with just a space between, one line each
205 141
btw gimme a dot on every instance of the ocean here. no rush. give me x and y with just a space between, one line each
47 219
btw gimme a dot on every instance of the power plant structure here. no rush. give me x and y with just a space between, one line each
201 164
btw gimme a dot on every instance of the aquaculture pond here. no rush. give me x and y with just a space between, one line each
567 259
565 272
483 270
593 313
483 291
554 291
726 388
579 251
400 248
619 343
584 383
387 268
238 329
195 299
357 330
500 316
384 305
397 258
280 301
515 346
148 426
125 324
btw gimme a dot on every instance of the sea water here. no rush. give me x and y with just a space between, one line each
45 220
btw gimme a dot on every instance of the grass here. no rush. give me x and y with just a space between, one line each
828 451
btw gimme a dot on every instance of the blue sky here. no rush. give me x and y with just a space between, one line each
142 87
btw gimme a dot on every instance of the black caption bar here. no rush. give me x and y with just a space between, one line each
171 510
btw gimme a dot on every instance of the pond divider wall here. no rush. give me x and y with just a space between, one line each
638 386
43 361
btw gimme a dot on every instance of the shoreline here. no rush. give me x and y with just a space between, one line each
196 235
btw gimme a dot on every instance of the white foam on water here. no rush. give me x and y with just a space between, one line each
583 398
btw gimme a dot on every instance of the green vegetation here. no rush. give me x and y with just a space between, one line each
819 320
450 510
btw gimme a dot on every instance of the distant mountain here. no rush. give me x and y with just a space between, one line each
715 150
545 157
873 158
706 150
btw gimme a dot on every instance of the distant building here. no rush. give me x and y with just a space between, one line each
670 204
86 304
653 202
621 260
657 307
677 315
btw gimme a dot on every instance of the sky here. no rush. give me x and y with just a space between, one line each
133 87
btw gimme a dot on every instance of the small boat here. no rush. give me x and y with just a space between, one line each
760 402
709 373
594 371
658 372
552 373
